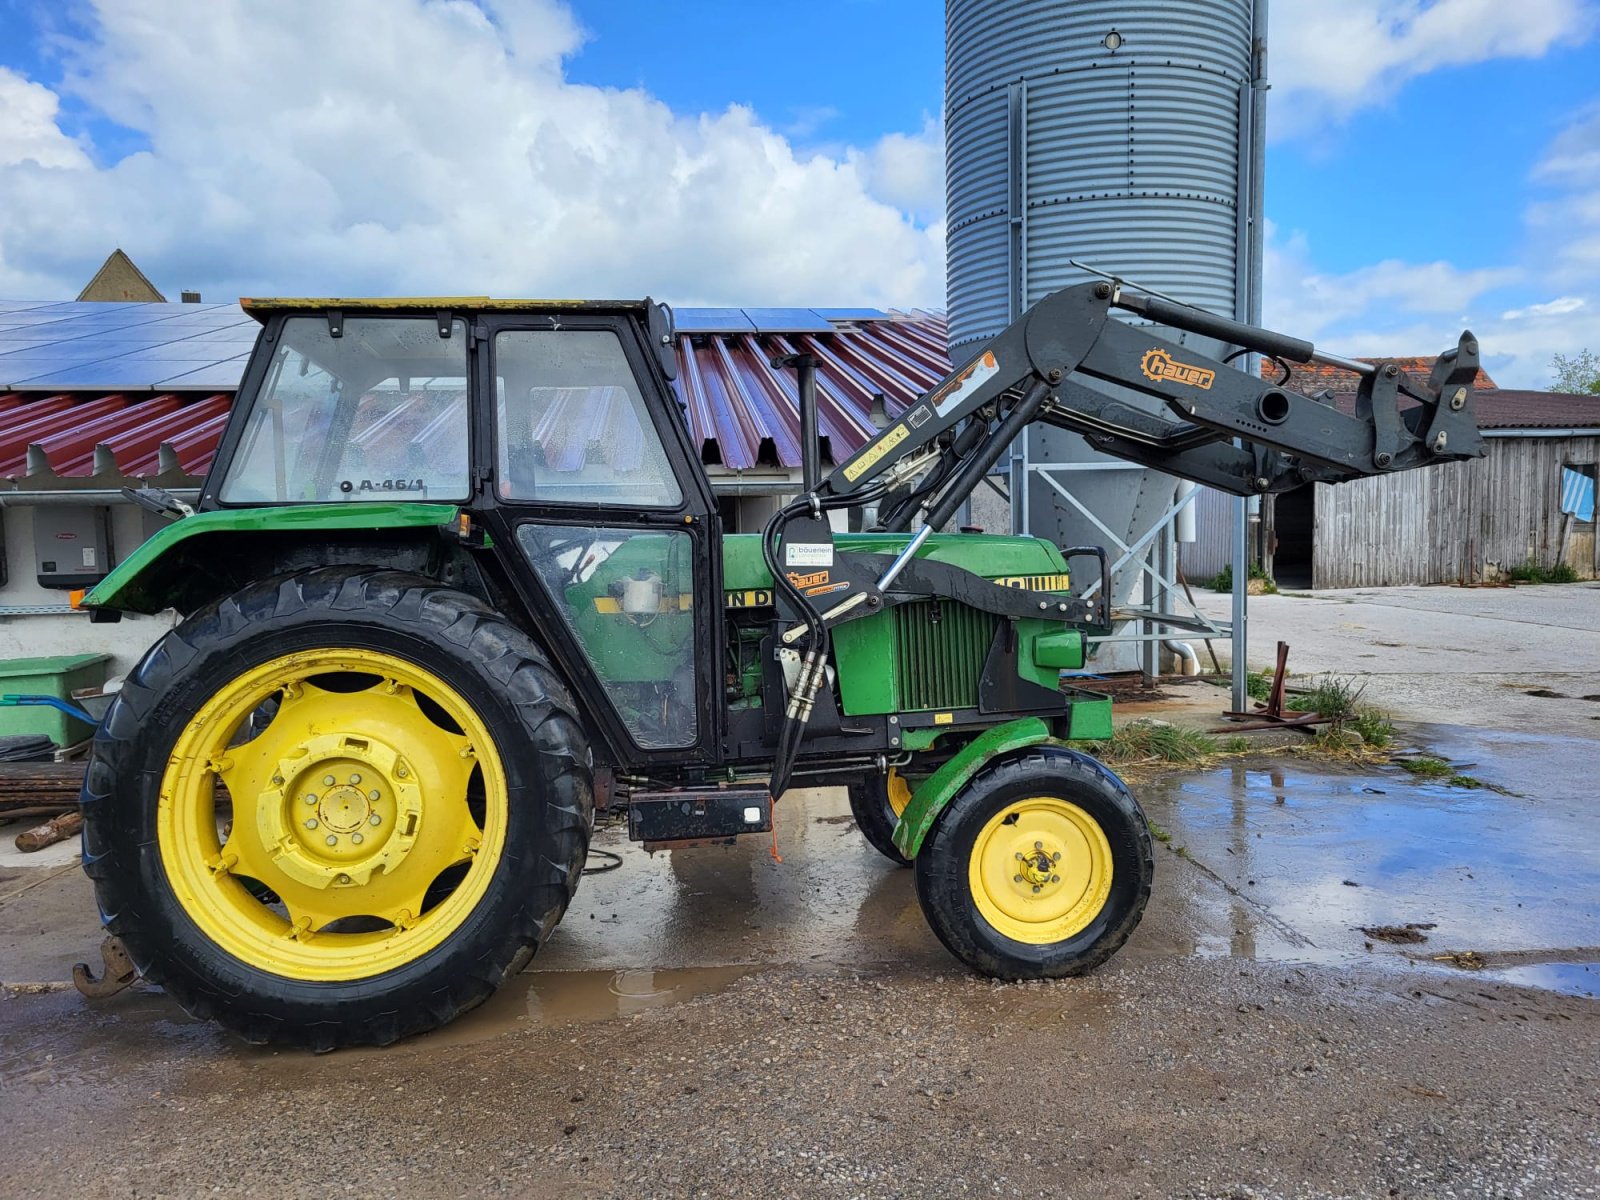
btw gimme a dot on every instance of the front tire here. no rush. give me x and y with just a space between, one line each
337 808
1039 868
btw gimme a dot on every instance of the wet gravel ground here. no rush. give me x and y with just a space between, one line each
1173 1077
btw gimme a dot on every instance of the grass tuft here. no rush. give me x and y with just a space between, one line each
1331 696
1532 572
1147 741
1222 581
1437 768
1374 726
1428 767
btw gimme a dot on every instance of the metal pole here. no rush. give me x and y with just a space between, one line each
1241 583
805 370
810 442
1252 163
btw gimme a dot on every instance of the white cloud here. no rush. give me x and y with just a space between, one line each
1399 308
907 170
1574 156
406 146
1328 60
1559 307
29 134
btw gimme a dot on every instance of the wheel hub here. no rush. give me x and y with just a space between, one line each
340 808
1037 867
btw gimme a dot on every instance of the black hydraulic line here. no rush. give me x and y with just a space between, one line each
1195 320
972 471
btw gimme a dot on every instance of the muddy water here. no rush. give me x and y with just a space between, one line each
1289 861
832 899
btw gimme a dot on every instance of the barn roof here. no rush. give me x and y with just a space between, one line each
140 388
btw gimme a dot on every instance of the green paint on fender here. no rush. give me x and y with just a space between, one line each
938 789
137 584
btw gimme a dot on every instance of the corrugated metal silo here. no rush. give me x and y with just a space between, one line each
1124 135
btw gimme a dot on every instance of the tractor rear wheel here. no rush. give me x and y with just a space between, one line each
1039 868
876 803
337 808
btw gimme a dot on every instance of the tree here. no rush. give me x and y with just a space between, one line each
1579 372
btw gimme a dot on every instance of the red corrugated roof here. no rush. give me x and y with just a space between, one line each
744 412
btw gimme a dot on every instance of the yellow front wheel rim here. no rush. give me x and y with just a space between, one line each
352 834
1040 870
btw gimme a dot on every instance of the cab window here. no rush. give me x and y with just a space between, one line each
379 413
572 424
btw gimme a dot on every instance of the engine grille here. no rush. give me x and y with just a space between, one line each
940 661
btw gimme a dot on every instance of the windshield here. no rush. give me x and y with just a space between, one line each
377 413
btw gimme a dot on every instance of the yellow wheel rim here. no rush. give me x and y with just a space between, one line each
899 793
1040 870
352 813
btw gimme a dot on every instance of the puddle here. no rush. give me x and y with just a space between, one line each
1290 861
1570 979
557 997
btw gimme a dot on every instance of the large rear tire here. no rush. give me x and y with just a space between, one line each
1039 868
337 808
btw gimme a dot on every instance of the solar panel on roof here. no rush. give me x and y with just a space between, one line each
711 320
787 320
851 314
223 375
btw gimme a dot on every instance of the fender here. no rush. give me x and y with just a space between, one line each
938 789
139 583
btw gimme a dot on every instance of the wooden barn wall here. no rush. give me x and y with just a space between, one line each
1451 523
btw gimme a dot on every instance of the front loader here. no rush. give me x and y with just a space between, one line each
457 571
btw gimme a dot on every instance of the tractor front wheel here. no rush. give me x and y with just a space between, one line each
1039 868
337 808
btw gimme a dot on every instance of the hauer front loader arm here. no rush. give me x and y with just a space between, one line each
1064 362
1050 366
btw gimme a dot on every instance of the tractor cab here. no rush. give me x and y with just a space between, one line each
552 424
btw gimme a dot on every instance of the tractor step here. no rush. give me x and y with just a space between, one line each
662 820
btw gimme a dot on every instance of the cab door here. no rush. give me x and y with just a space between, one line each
600 500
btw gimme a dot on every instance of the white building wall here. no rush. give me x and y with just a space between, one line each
63 632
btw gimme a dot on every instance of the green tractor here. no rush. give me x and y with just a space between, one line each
457 572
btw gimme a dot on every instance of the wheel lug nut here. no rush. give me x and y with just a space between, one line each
402 771
312 823
374 819
1017 878
1038 845
1056 857
1019 855
344 879
277 781
311 797
1055 879
373 794
327 780
1036 887
333 841
356 838
355 778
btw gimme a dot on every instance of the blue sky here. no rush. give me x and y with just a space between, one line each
1430 162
